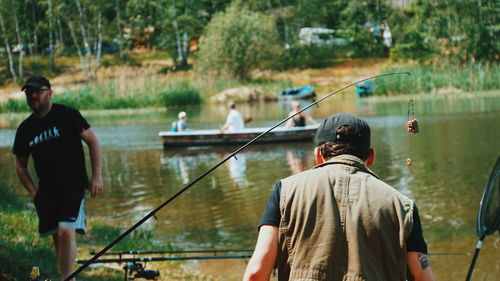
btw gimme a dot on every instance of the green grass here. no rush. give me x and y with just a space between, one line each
21 248
181 94
441 78
143 92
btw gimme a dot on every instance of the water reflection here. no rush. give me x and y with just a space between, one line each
186 163
237 166
296 159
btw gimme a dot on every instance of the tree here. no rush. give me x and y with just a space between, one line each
457 30
237 41
7 34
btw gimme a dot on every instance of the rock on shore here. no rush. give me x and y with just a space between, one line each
242 94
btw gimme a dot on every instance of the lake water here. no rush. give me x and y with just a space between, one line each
452 157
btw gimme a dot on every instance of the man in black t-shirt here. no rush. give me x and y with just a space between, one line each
52 135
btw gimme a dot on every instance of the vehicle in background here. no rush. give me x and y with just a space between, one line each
321 37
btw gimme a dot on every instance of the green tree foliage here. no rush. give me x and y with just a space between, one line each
458 30
361 25
236 42
412 45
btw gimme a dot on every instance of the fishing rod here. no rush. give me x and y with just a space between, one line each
153 213
138 265
139 252
215 252
177 258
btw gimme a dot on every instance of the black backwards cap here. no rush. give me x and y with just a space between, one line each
36 81
327 131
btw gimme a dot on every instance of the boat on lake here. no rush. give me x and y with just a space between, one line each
365 89
297 93
215 137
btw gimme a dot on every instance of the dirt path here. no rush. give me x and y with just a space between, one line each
325 79
329 78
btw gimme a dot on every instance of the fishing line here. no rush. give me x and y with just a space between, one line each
152 213
411 128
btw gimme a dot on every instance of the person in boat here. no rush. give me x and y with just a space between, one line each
52 135
298 120
234 121
180 125
339 221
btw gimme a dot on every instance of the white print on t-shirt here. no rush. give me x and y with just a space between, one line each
46 135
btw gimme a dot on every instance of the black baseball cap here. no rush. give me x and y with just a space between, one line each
36 81
327 131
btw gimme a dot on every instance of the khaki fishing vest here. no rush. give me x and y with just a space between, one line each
339 222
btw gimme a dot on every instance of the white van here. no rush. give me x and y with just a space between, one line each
319 36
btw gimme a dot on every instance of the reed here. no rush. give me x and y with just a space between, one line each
180 94
14 105
441 78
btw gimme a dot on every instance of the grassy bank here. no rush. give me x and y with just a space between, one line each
21 249
141 92
146 85
442 78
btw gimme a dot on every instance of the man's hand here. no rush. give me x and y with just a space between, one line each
91 140
96 186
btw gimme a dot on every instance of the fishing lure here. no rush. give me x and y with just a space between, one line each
411 128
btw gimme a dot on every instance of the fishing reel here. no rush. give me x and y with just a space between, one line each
140 271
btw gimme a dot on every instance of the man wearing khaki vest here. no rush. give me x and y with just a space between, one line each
338 221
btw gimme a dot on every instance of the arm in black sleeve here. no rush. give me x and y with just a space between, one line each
416 242
78 122
272 215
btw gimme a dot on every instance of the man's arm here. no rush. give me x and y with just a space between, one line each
24 175
225 126
264 256
420 266
310 119
91 140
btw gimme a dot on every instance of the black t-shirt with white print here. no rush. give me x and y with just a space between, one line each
55 144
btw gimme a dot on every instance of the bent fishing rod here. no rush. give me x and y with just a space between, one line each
153 213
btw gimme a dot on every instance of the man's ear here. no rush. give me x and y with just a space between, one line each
371 158
317 155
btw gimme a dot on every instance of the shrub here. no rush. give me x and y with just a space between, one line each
429 78
305 56
236 42
181 94
413 45
14 105
77 99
